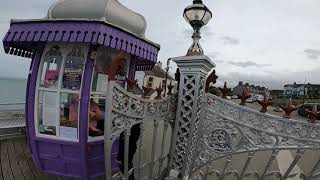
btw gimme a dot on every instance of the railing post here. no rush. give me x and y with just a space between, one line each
193 73
108 131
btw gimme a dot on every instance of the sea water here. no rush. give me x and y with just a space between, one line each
12 91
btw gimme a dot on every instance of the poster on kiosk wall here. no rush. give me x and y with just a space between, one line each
72 75
50 114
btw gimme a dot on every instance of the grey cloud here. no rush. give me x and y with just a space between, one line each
245 64
312 53
233 79
230 40
271 80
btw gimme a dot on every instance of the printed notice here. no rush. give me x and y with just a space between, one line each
102 83
50 111
68 132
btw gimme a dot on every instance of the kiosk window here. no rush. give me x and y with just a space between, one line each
96 115
100 77
108 62
69 115
51 68
59 92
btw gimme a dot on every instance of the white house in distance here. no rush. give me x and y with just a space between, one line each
154 78
295 89
306 90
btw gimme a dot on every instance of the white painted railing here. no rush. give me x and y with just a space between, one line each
240 143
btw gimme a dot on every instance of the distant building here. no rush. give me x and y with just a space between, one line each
301 90
154 79
258 89
295 90
238 89
252 88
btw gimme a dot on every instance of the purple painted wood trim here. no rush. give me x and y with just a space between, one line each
30 98
114 39
81 36
24 36
102 37
26 109
120 40
31 36
150 53
107 40
44 36
51 36
17 36
131 68
6 36
92 32
137 50
84 111
55 141
11 35
125 42
37 35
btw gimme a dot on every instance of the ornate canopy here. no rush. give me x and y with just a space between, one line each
100 22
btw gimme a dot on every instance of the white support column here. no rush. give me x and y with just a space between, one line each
193 74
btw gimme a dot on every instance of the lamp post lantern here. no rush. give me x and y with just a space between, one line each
197 15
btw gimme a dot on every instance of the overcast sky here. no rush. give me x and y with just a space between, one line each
264 42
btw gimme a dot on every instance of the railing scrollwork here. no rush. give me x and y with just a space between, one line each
228 129
125 110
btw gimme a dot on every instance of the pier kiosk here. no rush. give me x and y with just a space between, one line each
73 52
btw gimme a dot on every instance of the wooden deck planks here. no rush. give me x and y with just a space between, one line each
26 170
1 176
16 162
5 162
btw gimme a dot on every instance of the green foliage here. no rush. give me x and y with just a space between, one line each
214 90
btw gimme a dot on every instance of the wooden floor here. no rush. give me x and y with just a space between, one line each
16 162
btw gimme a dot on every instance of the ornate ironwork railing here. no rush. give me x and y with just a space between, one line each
12 115
235 140
125 110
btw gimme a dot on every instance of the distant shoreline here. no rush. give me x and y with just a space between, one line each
13 78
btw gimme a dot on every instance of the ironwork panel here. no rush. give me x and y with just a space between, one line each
126 110
228 130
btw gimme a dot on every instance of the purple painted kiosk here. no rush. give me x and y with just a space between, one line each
73 50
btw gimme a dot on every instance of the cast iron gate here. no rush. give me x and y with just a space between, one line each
125 110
